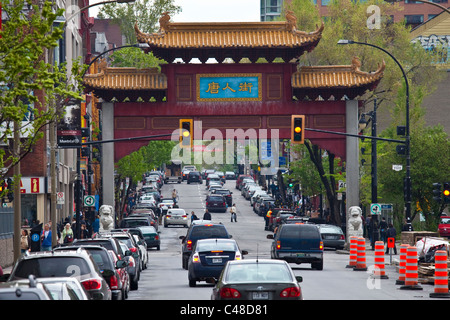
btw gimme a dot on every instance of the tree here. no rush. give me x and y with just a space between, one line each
34 91
145 12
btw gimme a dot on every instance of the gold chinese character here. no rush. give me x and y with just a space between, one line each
246 86
213 87
228 87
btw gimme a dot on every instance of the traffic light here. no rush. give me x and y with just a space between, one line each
297 129
186 126
437 191
446 192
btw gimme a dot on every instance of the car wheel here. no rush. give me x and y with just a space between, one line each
192 282
134 285
184 263
157 248
317 265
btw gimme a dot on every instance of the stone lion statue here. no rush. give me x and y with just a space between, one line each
354 224
106 218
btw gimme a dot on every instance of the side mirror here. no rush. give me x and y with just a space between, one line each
107 273
128 253
269 236
121 264
244 252
299 278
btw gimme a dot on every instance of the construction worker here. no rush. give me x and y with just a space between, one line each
267 218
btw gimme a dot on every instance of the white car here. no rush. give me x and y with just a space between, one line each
143 250
165 205
148 199
176 217
256 196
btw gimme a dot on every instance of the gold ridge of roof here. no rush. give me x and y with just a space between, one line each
337 76
228 34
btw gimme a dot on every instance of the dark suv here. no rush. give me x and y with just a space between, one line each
216 202
194 176
227 194
64 263
298 243
200 231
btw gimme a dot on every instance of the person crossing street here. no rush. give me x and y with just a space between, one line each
233 212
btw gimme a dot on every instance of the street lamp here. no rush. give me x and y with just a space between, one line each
407 133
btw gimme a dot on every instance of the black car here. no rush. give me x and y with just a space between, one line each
200 231
226 193
107 267
194 176
216 202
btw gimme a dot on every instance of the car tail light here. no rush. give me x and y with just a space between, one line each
228 293
342 237
321 245
223 203
134 249
238 256
278 245
92 284
206 203
195 258
168 216
189 244
184 216
157 237
290 292
131 262
113 283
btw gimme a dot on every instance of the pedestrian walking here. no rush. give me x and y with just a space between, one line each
96 224
193 216
233 213
67 234
46 238
25 241
174 196
383 229
207 215
391 233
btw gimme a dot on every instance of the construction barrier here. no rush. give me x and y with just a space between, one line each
353 251
440 275
411 270
361 255
379 270
402 264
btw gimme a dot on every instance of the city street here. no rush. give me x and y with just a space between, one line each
165 279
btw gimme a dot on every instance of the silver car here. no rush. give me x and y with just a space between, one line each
176 217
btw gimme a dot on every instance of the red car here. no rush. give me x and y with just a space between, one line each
444 227
240 178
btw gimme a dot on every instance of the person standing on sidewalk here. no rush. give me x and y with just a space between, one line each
233 212
46 238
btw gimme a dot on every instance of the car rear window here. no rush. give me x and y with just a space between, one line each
260 272
131 223
300 231
52 267
23 296
202 232
216 245
215 198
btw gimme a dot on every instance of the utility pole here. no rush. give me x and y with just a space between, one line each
17 195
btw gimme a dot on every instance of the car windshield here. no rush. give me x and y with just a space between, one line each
131 223
330 229
445 220
216 246
209 232
258 272
297 231
52 267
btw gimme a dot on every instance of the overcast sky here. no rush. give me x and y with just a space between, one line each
210 10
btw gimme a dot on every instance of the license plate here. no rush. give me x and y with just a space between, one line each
302 255
216 260
260 295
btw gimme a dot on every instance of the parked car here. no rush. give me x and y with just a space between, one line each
257 279
444 227
208 258
147 213
240 178
279 217
130 241
151 237
176 216
226 193
106 265
185 174
134 221
263 204
123 275
332 236
216 202
29 289
64 288
194 176
64 263
133 268
298 243
200 231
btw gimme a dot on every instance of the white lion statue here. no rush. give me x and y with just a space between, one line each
354 224
106 218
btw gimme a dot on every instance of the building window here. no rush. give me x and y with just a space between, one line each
414 19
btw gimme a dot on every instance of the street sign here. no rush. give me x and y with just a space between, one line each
342 185
375 208
89 201
60 198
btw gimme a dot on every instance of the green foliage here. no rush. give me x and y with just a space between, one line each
26 38
145 12
136 58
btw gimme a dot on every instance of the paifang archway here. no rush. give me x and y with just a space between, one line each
227 95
